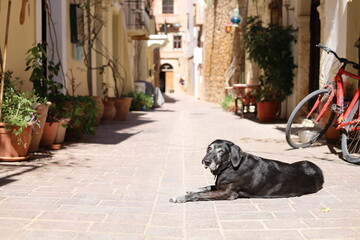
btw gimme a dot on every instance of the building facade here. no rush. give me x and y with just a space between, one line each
101 45
333 23
181 57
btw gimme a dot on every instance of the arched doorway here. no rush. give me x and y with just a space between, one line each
166 78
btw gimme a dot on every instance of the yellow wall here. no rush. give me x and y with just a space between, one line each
21 37
77 68
114 37
118 45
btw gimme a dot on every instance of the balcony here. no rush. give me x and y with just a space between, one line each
137 18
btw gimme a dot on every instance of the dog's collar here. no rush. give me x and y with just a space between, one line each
221 169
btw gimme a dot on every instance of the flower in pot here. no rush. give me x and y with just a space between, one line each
270 48
16 121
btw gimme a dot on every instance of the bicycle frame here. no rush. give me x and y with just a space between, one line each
338 80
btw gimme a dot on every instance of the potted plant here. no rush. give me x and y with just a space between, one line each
109 111
60 134
141 101
270 48
228 104
45 87
82 111
50 131
16 121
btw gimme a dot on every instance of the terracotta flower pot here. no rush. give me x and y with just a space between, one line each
100 106
109 111
60 134
266 111
12 147
38 129
49 134
122 106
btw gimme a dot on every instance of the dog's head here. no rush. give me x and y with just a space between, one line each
220 152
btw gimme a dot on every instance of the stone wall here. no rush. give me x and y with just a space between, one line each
221 48
218 48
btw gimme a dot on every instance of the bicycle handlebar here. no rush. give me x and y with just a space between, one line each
342 60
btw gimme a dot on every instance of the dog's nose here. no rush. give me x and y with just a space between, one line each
206 161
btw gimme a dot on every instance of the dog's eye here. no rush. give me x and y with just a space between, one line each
221 151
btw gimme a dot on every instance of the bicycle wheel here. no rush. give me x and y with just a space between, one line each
350 139
301 130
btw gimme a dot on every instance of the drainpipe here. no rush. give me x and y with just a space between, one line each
89 60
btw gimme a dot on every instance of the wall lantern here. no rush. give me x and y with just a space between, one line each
236 18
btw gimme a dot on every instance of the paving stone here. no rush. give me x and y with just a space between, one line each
45 235
58 225
117 184
335 233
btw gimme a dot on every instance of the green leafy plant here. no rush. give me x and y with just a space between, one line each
18 107
228 104
43 73
82 111
141 101
270 48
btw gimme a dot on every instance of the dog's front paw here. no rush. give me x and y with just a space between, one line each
179 199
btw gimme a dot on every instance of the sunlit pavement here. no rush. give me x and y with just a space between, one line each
117 184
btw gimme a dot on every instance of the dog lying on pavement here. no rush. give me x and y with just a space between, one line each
242 175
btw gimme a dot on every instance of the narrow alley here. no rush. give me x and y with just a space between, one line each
117 184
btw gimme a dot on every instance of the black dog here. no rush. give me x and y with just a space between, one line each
242 175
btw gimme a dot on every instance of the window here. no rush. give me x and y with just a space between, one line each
177 42
168 6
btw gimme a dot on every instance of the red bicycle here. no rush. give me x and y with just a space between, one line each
308 121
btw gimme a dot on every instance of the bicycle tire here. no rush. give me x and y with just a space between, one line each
298 125
350 140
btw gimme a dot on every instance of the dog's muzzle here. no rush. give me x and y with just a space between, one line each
206 163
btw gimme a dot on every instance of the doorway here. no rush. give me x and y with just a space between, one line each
166 78
314 51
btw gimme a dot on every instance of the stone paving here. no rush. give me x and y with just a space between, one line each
117 184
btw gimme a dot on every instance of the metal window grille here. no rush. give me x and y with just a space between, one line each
177 42
168 6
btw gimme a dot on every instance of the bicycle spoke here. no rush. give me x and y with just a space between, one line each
302 129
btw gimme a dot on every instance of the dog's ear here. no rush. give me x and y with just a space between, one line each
236 155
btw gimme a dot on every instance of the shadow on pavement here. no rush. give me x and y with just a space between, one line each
14 170
114 133
169 99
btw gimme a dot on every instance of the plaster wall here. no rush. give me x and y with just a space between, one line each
20 38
